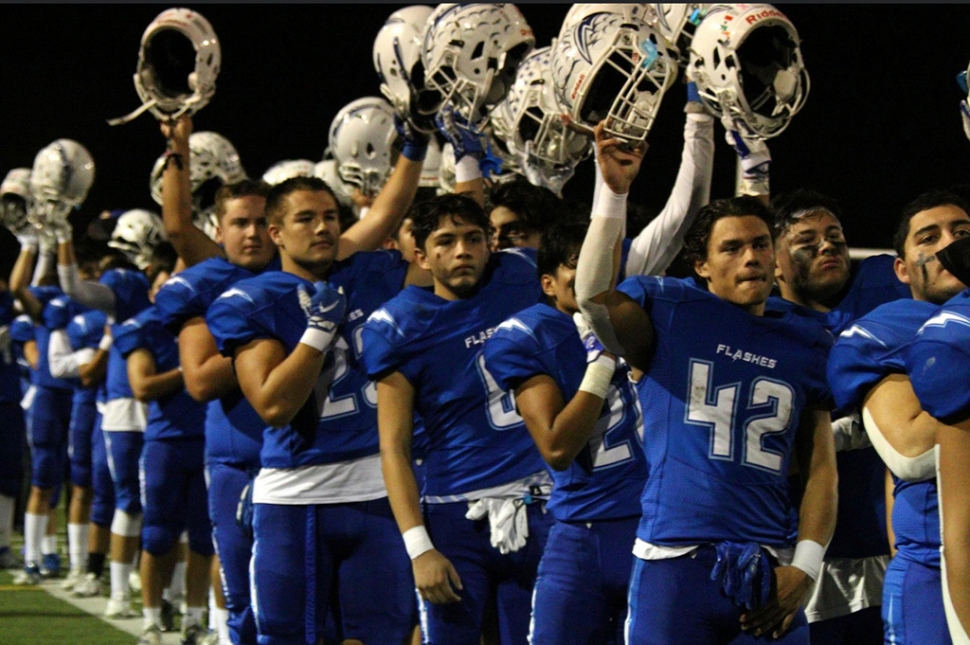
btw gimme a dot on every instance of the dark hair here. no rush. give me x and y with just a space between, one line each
278 194
164 257
238 189
536 207
699 234
427 218
88 250
559 243
115 259
924 202
787 205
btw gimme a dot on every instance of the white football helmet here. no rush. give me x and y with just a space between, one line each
613 66
397 59
283 170
362 138
15 200
178 63
678 22
548 152
327 171
747 63
471 53
136 234
63 172
501 144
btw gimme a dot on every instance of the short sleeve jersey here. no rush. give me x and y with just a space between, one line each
722 398
56 310
476 439
84 331
605 480
130 289
339 421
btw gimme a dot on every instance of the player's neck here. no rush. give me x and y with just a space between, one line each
803 300
311 273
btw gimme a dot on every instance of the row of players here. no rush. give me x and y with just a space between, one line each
318 483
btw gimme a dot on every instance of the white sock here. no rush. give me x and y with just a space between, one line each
34 528
177 588
219 621
77 544
152 616
7 505
48 544
119 580
192 616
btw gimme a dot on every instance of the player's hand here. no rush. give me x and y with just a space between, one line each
619 160
466 138
178 130
436 578
324 310
415 142
790 586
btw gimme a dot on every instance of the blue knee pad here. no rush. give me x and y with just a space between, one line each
13 436
83 416
103 502
124 456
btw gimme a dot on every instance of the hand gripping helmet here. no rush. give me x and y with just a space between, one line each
397 59
136 234
747 64
327 171
431 166
498 133
283 170
362 137
178 64
63 172
548 151
471 53
15 200
612 65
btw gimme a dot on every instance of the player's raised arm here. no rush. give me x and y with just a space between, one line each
815 454
620 323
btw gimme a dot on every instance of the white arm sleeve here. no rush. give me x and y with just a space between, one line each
44 264
64 361
658 244
90 294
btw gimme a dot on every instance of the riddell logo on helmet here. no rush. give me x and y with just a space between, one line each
579 82
761 15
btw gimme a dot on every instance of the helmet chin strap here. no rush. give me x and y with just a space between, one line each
134 115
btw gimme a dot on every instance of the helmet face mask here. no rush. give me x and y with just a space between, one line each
614 67
746 61
363 141
136 234
15 200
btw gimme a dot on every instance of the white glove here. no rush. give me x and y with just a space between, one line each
508 522
849 434
754 155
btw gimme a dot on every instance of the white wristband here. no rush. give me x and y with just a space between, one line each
317 338
105 343
599 373
609 204
808 557
467 169
416 541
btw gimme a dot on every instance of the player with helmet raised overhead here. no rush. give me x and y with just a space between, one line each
727 412
867 374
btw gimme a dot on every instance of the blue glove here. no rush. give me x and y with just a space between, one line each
490 164
594 348
244 510
744 573
465 138
415 142
324 310
693 96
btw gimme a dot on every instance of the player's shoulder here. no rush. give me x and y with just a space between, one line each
209 274
59 310
123 278
260 291
406 315
950 321
537 326
644 288
515 266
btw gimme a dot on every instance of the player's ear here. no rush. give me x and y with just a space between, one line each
902 271
274 234
548 283
421 258
701 269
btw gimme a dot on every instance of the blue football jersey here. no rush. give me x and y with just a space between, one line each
174 416
721 407
130 289
870 349
233 430
476 439
874 283
605 480
9 372
56 307
938 361
339 422
84 331
21 332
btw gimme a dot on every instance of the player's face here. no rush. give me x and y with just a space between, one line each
509 232
561 287
455 253
405 240
244 233
740 262
929 232
813 259
309 230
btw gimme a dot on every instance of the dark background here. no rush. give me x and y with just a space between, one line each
880 126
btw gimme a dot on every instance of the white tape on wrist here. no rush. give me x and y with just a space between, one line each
808 557
467 169
609 204
416 541
105 343
317 338
599 373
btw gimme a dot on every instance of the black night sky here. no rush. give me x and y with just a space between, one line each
880 126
